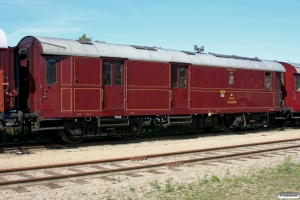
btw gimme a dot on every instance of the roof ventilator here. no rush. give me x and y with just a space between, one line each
188 52
199 49
144 47
235 57
84 42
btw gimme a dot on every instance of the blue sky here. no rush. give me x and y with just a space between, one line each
268 29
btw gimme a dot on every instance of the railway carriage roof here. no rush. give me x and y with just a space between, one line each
296 66
3 40
57 46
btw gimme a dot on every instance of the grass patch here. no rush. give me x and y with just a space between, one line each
258 184
155 184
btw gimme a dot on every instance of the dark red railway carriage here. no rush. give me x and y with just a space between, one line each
88 89
3 46
291 92
6 75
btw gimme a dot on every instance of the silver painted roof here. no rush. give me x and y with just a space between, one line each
100 49
296 66
3 40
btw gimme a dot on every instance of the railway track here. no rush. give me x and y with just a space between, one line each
133 165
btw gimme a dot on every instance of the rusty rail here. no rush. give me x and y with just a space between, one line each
142 156
144 166
179 162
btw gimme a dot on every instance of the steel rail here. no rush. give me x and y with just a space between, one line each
141 157
23 147
180 162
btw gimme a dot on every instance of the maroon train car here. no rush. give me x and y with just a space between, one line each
291 93
89 89
7 80
3 47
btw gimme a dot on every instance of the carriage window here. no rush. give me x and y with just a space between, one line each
174 76
117 73
182 77
297 82
267 80
50 71
106 73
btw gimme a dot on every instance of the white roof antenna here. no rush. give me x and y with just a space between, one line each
199 50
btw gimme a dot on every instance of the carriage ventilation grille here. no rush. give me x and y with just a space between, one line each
143 47
188 52
179 120
235 57
84 42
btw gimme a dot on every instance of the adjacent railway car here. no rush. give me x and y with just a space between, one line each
7 80
291 93
3 46
89 89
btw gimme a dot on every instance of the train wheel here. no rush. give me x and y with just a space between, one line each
68 139
128 136
226 127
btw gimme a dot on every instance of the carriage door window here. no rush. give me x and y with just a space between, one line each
49 91
112 71
297 82
50 71
106 75
267 80
182 77
117 74
174 77
178 72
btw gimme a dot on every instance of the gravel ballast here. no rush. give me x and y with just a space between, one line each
123 186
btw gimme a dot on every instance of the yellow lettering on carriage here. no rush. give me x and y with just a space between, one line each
231 100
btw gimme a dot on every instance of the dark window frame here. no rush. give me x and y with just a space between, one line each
106 77
297 82
181 78
268 80
51 71
113 79
178 79
118 80
174 76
